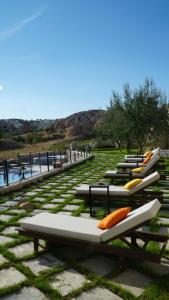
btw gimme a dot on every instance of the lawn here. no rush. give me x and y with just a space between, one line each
66 273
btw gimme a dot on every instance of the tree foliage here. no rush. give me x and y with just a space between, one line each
137 116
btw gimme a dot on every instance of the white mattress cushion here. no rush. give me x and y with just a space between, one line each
119 190
113 190
86 229
133 159
156 150
111 173
65 226
130 165
134 218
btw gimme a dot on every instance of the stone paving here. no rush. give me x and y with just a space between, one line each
65 272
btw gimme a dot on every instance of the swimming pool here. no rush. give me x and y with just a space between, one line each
16 175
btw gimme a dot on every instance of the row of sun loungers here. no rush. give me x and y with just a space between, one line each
84 233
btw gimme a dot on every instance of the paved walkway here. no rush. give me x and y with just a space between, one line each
66 273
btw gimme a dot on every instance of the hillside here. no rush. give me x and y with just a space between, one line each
79 124
76 125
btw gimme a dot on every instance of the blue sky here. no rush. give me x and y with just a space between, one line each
58 57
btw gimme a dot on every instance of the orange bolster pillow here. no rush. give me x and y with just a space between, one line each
146 160
114 218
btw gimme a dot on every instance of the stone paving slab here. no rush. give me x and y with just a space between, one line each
10 277
10 203
6 218
67 281
100 264
98 294
31 193
39 199
163 221
49 206
10 230
71 207
133 281
66 195
59 200
48 195
22 250
74 201
66 213
85 215
37 211
2 208
5 240
43 263
26 293
2 260
17 211
160 269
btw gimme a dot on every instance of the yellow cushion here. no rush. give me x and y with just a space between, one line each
114 218
147 153
132 183
137 170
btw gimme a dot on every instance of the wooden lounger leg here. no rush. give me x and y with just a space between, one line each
36 244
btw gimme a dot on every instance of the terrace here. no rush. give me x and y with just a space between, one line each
66 273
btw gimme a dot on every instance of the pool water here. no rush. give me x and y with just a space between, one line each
15 176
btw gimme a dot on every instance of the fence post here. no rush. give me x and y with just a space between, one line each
30 157
70 154
47 156
39 162
6 172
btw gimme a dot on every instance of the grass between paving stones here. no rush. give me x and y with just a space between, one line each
90 172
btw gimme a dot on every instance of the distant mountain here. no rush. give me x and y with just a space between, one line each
79 124
19 126
76 125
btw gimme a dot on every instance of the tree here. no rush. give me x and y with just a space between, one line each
138 116
146 111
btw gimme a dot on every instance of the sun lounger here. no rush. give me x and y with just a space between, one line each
140 158
114 192
116 174
83 233
132 165
141 155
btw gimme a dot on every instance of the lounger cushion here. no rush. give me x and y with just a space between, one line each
129 185
137 170
86 229
115 190
64 226
114 218
130 165
147 160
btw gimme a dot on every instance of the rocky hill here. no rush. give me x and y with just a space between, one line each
76 125
79 124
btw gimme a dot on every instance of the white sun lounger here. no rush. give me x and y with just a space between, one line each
82 232
141 157
116 174
132 165
115 190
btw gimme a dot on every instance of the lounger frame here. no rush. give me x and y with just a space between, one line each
141 197
133 251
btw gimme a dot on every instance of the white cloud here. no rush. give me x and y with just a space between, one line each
4 34
33 56
1 87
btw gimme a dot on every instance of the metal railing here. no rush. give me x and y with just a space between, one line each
31 164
